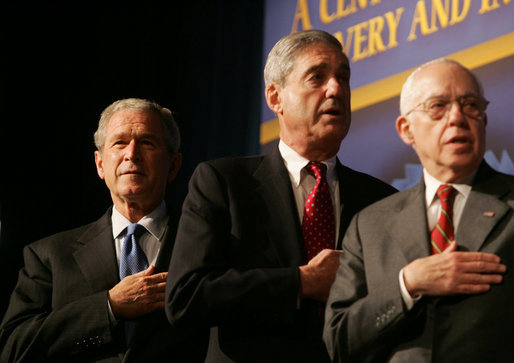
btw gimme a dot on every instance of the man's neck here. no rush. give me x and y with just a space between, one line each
134 211
311 153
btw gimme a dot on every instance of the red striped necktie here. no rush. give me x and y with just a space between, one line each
443 235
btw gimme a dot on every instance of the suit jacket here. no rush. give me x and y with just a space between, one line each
236 257
366 320
59 312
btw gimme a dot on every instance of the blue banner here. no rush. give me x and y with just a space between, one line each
385 40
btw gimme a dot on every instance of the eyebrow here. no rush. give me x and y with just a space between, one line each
145 135
466 94
345 67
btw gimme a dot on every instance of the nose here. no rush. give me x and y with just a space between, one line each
132 151
334 88
455 115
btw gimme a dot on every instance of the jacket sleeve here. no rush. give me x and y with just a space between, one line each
33 329
217 272
365 313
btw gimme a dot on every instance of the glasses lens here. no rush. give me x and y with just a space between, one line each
472 106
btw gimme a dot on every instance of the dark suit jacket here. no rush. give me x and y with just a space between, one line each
236 257
58 310
366 317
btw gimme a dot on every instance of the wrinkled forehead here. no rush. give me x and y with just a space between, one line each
134 120
320 55
443 80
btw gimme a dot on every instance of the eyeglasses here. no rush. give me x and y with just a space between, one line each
438 107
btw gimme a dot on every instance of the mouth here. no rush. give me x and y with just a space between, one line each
132 172
332 111
460 140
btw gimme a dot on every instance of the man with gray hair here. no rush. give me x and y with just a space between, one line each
96 293
259 237
422 278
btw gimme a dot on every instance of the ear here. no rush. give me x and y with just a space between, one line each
404 129
175 164
99 165
273 99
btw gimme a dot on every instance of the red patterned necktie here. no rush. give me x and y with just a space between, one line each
442 234
318 225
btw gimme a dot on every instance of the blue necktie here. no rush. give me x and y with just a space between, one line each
132 260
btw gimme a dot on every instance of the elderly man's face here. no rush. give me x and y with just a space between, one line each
452 147
313 106
135 162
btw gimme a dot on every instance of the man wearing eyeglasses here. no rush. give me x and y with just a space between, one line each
424 276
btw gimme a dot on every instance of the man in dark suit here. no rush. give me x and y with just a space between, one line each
69 303
423 276
240 262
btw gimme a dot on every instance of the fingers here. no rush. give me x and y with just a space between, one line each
325 255
483 267
477 262
317 276
146 272
475 283
451 273
160 277
451 248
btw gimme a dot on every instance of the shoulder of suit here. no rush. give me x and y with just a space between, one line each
233 164
56 240
364 180
393 203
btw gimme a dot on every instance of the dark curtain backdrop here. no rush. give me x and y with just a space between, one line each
63 62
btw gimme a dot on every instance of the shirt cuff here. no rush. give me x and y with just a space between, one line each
407 299
112 318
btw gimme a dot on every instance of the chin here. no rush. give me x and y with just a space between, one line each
466 165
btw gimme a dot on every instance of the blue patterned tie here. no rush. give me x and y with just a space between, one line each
132 260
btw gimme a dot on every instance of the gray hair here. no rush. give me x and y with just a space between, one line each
140 105
282 56
408 89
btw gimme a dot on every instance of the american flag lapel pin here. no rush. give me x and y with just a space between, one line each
488 214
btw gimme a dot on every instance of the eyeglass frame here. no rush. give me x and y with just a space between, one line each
459 100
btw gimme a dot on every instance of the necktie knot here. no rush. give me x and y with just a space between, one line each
446 193
135 229
319 170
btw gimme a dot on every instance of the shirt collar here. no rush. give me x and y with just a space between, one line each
155 222
295 163
463 186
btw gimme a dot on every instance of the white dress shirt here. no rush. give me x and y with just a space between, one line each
433 205
155 224
303 182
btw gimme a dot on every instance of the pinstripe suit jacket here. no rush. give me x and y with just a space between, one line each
236 258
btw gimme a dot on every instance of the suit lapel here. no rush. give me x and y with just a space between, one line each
276 205
483 210
97 257
345 216
163 260
346 204
409 225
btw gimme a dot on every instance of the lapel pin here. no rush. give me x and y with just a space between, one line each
489 214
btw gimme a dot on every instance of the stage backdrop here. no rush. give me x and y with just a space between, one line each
385 40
